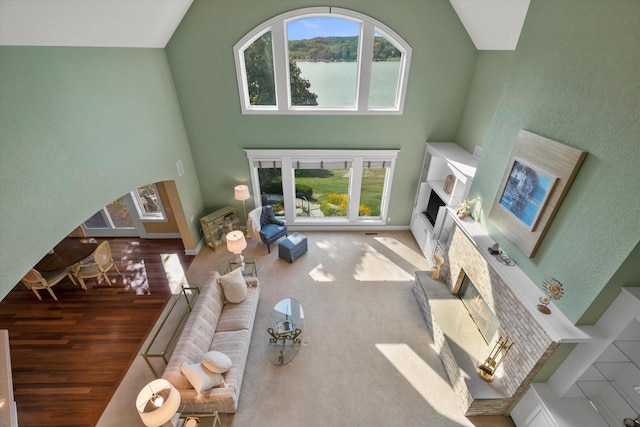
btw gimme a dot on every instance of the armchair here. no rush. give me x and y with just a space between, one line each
263 226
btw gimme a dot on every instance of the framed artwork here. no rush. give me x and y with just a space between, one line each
526 192
538 176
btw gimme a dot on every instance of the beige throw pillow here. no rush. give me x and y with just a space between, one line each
201 379
234 286
216 361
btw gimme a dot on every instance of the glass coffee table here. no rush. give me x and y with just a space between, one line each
284 331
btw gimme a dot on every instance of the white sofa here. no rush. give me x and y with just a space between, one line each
215 324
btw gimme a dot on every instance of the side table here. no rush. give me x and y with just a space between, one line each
250 267
189 418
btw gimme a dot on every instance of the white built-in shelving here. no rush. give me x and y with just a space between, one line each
441 159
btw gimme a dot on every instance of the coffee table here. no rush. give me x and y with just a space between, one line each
284 331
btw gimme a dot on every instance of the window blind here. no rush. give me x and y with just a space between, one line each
321 164
376 163
267 164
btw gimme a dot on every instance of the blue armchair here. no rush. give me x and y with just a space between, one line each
270 228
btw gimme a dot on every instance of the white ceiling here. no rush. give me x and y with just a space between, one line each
114 23
491 24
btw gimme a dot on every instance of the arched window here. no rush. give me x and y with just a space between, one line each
322 60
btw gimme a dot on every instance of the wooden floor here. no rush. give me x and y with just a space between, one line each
69 356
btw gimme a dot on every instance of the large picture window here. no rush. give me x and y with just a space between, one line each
322 61
338 187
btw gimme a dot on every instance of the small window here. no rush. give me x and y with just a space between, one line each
148 203
385 73
322 61
270 184
258 59
374 177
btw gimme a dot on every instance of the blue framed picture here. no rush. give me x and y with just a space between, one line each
526 191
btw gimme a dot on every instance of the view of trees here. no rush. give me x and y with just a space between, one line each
300 93
258 60
340 49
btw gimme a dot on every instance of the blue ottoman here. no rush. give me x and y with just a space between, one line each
291 248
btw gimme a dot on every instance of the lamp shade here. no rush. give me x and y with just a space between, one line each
241 192
236 241
157 402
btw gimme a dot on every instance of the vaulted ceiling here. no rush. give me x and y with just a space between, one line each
491 24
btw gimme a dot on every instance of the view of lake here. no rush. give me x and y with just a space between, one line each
335 82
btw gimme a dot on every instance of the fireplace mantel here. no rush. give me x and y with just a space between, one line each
512 297
556 324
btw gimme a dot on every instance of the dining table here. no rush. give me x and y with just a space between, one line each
68 252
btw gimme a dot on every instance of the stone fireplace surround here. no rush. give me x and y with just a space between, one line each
512 297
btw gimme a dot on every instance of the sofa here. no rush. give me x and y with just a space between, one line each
215 324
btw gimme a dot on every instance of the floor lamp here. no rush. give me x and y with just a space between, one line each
241 192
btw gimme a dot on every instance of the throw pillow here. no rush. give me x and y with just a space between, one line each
216 361
234 286
201 379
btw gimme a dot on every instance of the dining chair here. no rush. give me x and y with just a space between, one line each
35 280
97 266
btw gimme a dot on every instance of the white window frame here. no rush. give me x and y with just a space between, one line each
278 28
159 216
358 158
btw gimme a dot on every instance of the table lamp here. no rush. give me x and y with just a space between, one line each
241 192
157 403
236 243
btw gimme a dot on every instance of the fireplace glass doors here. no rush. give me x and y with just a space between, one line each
484 318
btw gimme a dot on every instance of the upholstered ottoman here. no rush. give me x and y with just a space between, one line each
291 248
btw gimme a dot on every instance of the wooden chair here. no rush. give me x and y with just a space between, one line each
35 280
96 266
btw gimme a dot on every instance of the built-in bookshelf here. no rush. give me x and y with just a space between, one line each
448 171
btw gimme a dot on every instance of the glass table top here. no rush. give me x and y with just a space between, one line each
284 331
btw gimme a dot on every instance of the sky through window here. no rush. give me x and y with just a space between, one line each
308 28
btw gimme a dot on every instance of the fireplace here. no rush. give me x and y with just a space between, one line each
484 318
473 289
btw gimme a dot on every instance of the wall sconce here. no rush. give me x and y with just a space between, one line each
241 192
488 368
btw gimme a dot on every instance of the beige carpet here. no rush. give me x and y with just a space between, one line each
366 358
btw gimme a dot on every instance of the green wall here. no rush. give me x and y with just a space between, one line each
491 71
201 59
574 78
80 127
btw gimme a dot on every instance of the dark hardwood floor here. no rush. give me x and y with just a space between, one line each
69 356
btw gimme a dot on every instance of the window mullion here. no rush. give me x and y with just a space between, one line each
280 66
355 187
365 64
288 190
